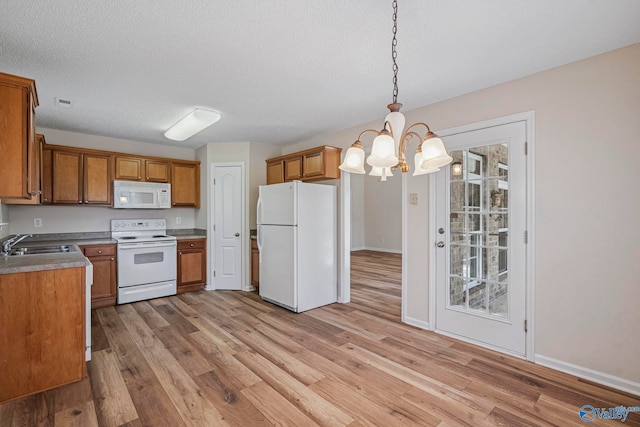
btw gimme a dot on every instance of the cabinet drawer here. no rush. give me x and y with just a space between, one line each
191 244
101 250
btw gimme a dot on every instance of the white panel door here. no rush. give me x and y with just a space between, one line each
227 219
480 229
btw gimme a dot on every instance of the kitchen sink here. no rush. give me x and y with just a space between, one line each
39 250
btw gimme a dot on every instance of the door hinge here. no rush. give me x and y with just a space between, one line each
526 236
214 181
526 148
214 227
525 326
214 273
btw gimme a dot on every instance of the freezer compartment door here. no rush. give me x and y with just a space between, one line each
278 265
276 204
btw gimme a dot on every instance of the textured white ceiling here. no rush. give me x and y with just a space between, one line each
280 71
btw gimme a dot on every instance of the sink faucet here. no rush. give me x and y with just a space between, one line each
10 243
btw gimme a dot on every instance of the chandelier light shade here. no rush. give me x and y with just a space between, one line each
390 144
194 122
434 155
354 160
383 152
418 160
381 172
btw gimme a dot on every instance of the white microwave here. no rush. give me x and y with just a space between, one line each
141 195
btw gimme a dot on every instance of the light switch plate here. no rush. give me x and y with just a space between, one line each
413 198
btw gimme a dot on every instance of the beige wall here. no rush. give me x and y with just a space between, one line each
383 213
69 219
587 240
357 212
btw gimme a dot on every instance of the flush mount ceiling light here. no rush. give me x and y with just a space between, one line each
191 124
430 155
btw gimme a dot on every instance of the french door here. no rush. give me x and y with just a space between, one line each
481 241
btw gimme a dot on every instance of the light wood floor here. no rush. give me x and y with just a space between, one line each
228 358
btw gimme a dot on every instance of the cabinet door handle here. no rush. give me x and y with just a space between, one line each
99 252
79 201
112 259
180 253
191 245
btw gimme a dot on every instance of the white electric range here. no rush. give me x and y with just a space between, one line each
147 261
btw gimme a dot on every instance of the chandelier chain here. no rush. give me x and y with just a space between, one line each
394 53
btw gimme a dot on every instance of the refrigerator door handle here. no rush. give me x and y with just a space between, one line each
259 242
259 211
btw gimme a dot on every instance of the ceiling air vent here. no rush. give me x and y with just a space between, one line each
65 103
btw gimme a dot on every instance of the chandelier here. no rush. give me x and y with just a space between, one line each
390 145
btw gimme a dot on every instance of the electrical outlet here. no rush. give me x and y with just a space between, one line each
37 222
178 220
413 198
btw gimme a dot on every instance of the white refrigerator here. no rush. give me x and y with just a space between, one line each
297 228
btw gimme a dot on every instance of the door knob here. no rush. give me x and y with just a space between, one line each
237 234
440 244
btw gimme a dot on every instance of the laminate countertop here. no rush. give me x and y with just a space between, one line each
40 262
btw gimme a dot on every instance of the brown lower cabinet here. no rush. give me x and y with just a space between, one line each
42 330
105 285
192 265
255 264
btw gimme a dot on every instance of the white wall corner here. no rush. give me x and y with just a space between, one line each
418 323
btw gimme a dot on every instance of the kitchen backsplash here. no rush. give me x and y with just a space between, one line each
74 219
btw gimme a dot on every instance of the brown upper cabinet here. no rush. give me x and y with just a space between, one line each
46 161
293 168
142 169
19 175
77 176
185 184
314 164
80 177
35 172
275 171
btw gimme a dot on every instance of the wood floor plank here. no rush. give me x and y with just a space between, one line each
317 408
231 358
275 407
273 352
181 388
112 399
183 351
150 399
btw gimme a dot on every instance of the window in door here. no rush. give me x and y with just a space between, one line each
479 231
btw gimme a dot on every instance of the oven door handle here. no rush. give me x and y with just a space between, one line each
147 245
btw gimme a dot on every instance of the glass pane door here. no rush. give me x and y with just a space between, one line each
479 226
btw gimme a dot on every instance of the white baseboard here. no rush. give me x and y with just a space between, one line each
417 323
357 248
589 374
